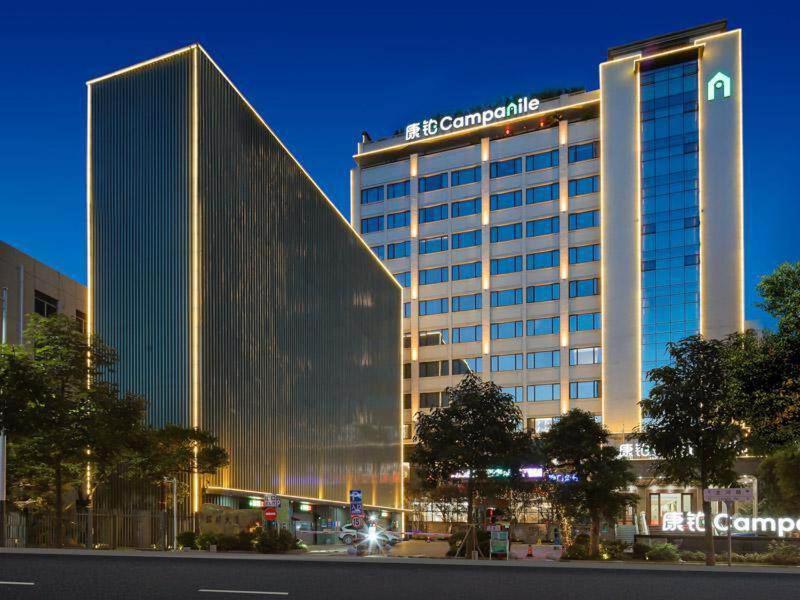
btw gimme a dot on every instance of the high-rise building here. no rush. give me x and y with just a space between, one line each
555 245
239 299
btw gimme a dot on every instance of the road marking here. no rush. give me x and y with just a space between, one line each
17 583
209 591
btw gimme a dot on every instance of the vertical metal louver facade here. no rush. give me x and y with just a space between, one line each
298 325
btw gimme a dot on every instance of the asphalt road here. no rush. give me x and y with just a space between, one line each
111 577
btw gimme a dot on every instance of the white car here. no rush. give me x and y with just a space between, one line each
349 534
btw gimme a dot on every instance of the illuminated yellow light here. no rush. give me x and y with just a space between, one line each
486 347
484 152
638 236
221 490
414 354
564 339
486 282
412 166
700 203
414 291
666 53
563 271
89 209
195 317
139 65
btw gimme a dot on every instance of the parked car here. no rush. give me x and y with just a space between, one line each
349 535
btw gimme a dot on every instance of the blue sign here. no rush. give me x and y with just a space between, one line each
356 505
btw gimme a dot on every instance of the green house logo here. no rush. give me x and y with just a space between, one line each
719 86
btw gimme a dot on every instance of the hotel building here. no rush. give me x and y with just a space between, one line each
556 245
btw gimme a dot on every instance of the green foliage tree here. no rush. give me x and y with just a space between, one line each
779 481
593 475
691 419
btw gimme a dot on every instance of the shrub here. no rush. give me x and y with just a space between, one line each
663 552
272 540
205 540
187 539
783 553
640 550
613 550
577 552
693 556
226 543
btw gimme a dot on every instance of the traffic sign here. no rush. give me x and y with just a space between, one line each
356 522
270 513
272 501
356 505
728 494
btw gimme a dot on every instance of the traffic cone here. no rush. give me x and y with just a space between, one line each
530 551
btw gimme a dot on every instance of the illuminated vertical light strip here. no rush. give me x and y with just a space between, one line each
89 208
195 291
638 225
740 166
401 503
701 230
603 255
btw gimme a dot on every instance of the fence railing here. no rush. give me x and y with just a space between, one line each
95 530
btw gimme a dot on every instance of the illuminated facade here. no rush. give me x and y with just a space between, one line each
557 250
239 299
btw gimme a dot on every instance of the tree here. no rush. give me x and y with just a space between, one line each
691 420
476 432
779 481
592 474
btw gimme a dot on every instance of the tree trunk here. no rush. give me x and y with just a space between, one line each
709 534
59 508
594 537
469 545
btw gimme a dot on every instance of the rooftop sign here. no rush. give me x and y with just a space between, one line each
431 127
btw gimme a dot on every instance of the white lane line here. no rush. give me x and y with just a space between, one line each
17 583
209 591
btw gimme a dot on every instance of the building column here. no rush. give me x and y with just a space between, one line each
563 260
414 290
486 272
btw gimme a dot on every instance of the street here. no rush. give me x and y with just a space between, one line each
28 576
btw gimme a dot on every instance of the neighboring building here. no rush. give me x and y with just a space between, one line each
29 286
239 299
556 246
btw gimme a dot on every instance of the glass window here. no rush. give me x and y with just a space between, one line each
464 176
434 368
542 260
406 340
433 182
585 151
542 160
584 185
406 310
43 304
584 322
407 401
80 320
504 331
380 251
434 338
407 371
470 333
542 424
584 389
544 359
583 254
433 307
433 213
435 275
398 189
585 356
505 200
503 168
400 219
584 287
515 392
462 208
544 392
506 233
399 249
506 362
506 297
435 244
468 302
466 271
465 239
582 220
462 366
373 194
544 326
543 293
403 279
372 224
509 264
542 193
542 226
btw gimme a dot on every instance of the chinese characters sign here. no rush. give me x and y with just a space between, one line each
690 522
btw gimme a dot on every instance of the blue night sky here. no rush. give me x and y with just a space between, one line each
322 74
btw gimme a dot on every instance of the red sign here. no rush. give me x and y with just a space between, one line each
270 514
356 522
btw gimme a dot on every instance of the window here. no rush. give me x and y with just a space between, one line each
407 401
462 208
466 271
471 333
584 322
400 219
585 151
406 310
542 226
506 297
584 287
663 503
403 279
406 340
541 425
462 366
503 168
433 182
434 338
433 213
582 220
542 193
544 360
373 194
399 249
435 275
507 362
433 307
544 326
465 239
430 399
80 320
542 260
583 254
504 331
44 305
506 233
585 356
543 160
464 176
505 200
509 264
406 370
584 389
468 302
584 185
434 368
380 251
372 224
544 392
435 244
398 189
543 293
515 392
